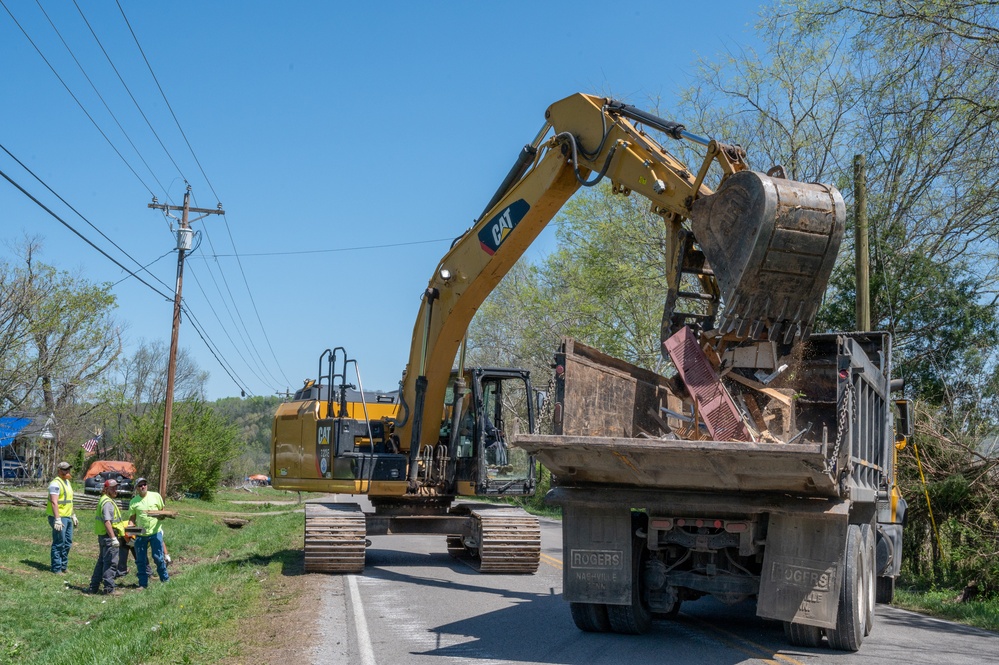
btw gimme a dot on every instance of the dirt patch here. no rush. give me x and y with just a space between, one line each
280 633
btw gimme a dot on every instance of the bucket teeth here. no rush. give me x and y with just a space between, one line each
772 244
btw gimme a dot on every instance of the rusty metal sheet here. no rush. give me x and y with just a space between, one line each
605 396
714 404
684 465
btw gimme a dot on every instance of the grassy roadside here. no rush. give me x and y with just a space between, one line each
219 576
942 603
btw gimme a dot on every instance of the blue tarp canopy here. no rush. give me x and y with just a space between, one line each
9 429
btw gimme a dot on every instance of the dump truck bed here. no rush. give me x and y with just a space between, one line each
684 465
610 429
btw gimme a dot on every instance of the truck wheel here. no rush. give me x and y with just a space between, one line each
633 619
868 541
590 617
800 635
886 589
851 617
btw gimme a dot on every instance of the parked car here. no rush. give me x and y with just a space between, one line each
123 472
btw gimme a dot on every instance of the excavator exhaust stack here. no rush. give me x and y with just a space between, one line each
772 244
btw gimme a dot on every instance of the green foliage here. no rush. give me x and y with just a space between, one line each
79 462
254 418
535 504
942 602
604 286
201 443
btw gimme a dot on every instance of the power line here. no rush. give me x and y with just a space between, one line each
125 85
339 249
81 216
80 104
97 92
225 329
163 94
198 328
254 303
233 300
105 254
80 235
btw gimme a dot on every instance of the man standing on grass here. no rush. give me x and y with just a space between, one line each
151 538
61 517
108 515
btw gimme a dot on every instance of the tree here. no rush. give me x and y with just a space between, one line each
16 379
75 338
201 444
144 375
58 340
604 285
254 419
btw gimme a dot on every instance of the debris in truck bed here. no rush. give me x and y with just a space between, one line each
711 399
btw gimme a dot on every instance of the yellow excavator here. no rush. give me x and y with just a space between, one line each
758 252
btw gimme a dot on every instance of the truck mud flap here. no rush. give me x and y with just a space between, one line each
596 544
803 567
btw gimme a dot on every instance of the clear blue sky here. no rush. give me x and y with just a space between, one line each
322 128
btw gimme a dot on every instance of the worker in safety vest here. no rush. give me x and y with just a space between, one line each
106 521
62 519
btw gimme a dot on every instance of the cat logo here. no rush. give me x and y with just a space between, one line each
497 229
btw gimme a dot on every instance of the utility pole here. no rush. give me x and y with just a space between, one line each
184 236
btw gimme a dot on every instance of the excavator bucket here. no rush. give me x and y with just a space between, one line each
771 244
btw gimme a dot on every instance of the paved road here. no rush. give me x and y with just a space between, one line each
416 605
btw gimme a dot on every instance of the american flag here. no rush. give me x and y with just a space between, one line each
91 445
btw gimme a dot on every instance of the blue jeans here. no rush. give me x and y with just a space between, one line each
61 542
143 546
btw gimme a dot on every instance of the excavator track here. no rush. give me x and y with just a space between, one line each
334 538
505 540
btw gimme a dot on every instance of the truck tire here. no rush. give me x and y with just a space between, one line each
635 618
800 635
869 543
851 617
886 589
590 617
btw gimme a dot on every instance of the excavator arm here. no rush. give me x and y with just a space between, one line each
762 245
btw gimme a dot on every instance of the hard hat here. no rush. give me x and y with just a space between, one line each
110 482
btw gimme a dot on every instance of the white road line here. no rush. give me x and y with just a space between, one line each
367 653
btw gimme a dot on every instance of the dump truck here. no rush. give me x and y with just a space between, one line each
796 509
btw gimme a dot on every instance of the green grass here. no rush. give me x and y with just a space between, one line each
218 577
941 603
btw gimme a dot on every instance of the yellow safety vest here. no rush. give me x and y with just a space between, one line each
65 499
99 527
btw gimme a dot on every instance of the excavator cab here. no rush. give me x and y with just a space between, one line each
493 405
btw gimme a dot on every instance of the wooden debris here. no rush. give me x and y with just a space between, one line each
21 499
163 514
759 387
